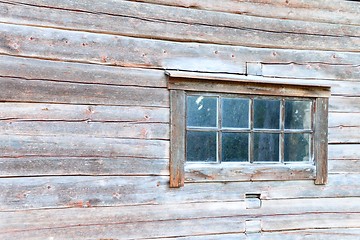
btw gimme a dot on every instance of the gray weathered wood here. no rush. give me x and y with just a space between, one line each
70 112
70 191
62 166
344 166
312 11
81 146
87 129
108 50
244 172
177 138
321 140
145 20
34 69
16 90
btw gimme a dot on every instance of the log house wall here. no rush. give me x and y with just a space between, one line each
84 117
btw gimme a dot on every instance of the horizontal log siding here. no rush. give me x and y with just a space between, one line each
84 117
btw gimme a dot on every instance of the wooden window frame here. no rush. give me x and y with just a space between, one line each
181 82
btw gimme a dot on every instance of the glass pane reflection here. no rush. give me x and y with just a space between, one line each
297 114
266 147
297 147
235 147
235 112
201 146
201 111
266 113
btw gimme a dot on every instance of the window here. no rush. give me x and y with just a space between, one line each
241 129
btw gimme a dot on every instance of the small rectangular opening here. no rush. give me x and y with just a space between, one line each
252 200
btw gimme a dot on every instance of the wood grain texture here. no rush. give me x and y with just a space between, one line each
177 138
17 90
75 166
321 140
312 11
77 191
81 146
35 69
16 112
109 50
147 21
117 130
244 172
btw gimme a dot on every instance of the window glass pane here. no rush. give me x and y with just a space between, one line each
235 112
297 114
201 111
266 113
297 147
266 147
201 146
235 147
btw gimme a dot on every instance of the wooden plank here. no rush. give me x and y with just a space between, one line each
34 69
330 234
344 104
114 228
313 11
312 71
182 25
177 146
37 221
311 221
344 151
344 134
81 146
16 90
62 166
109 50
321 140
245 172
344 166
72 191
92 113
87 129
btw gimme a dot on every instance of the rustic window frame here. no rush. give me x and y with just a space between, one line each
181 82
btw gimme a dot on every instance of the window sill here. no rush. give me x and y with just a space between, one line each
200 172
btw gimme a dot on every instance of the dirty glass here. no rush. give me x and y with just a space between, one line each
297 147
266 113
201 146
235 147
297 114
201 111
266 147
235 112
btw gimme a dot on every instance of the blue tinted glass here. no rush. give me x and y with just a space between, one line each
297 114
201 111
235 147
266 147
235 112
266 113
201 146
297 147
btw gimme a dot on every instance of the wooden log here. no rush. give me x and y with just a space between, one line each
72 191
117 227
34 69
344 151
70 112
16 90
107 49
81 146
344 104
312 71
313 11
326 233
343 134
146 20
87 129
344 166
51 166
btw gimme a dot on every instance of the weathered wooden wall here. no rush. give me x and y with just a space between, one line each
84 116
